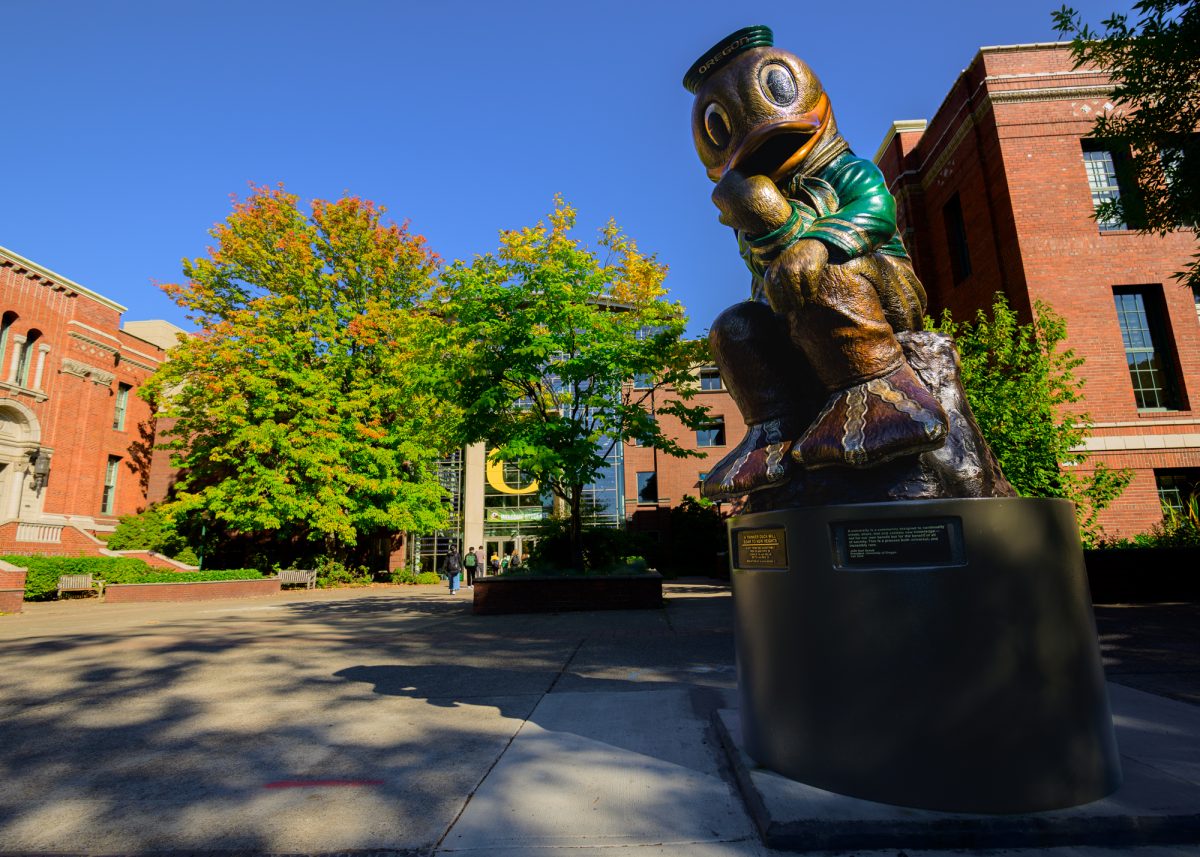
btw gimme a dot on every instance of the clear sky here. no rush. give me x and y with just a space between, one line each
128 125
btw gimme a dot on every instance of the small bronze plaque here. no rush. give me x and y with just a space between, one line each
765 548
930 542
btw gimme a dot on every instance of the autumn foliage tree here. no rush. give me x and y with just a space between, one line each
306 405
547 338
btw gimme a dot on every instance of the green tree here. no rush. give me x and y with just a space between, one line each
1025 394
547 338
305 405
1154 64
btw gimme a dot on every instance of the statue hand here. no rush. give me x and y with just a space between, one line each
792 279
752 204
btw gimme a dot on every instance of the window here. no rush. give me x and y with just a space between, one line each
1196 300
637 441
1142 316
713 434
1176 488
1101 162
956 239
647 482
710 379
109 499
121 407
642 381
5 324
25 357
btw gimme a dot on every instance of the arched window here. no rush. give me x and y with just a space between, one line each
25 357
5 323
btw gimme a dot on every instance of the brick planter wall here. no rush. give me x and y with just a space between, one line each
12 600
122 593
12 588
12 579
1141 575
557 594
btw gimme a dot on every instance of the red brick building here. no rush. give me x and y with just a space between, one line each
654 482
996 193
75 438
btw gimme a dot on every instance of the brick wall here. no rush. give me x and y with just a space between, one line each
1007 141
678 476
12 600
73 542
85 357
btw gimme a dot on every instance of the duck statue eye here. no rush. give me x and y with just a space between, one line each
716 125
777 83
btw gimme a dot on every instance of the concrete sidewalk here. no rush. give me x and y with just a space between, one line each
383 721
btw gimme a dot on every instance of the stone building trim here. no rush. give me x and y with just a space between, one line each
79 369
1049 93
1149 442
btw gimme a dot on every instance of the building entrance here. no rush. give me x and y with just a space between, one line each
506 547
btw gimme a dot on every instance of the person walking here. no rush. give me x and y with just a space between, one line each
480 560
494 563
453 568
514 563
469 561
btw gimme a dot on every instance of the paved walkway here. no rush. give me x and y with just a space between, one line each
392 721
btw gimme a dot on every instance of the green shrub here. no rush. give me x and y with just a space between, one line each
152 530
331 572
404 575
41 582
1175 530
156 575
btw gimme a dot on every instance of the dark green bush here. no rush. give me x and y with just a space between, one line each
605 549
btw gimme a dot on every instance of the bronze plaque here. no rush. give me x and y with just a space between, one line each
928 543
765 548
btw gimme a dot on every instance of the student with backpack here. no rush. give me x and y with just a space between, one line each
453 568
469 561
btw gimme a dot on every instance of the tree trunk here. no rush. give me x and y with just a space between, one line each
576 501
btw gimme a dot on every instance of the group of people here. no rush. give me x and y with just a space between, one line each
475 562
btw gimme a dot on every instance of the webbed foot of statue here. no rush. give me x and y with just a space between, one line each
874 422
760 461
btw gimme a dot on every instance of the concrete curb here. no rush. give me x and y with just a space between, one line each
1152 808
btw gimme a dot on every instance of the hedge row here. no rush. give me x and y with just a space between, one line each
41 583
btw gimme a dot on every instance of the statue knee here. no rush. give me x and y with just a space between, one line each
744 325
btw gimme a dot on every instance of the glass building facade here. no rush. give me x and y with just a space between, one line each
428 552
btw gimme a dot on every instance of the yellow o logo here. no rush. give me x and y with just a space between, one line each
495 478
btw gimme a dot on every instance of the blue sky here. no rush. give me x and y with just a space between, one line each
129 124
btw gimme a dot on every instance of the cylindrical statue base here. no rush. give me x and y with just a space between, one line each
930 653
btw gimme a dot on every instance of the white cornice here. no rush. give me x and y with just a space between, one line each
900 126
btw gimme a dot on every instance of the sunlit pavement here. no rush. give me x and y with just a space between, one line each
392 721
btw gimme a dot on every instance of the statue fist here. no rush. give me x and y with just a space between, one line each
791 280
752 204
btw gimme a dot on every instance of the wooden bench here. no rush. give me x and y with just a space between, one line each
76 583
299 576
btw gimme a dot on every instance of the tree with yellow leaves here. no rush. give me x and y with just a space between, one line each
306 407
547 341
